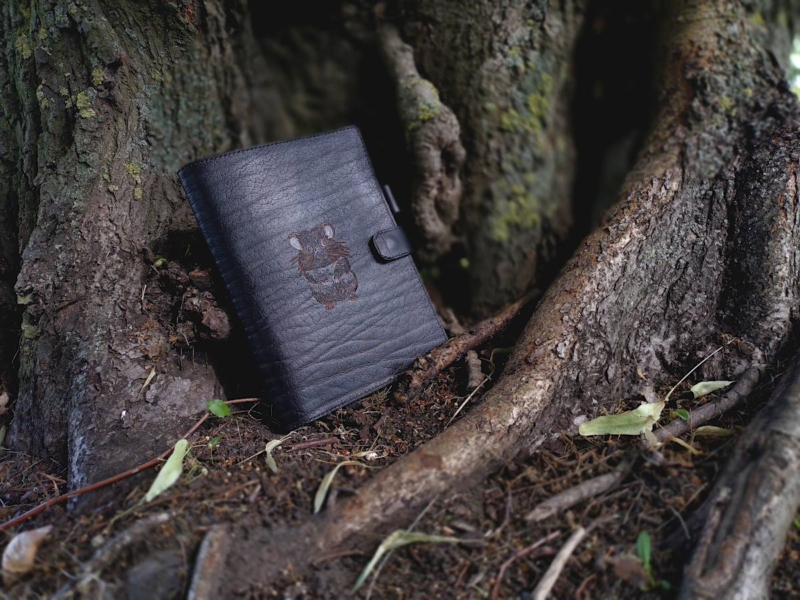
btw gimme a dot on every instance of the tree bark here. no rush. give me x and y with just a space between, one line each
505 69
752 505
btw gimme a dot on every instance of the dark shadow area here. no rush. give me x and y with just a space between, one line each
613 104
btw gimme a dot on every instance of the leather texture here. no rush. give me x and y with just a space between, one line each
391 244
289 226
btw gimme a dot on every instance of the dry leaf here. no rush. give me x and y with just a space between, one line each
632 422
20 554
706 387
170 472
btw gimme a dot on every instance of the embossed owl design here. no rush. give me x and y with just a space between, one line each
325 263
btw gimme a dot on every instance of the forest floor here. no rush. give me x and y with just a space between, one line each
226 479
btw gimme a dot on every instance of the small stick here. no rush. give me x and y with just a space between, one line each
744 387
583 491
114 479
521 554
442 357
547 582
313 443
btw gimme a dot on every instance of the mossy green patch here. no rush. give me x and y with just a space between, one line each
22 46
138 193
757 19
98 77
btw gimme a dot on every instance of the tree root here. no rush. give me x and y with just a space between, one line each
426 368
432 133
111 480
209 563
751 507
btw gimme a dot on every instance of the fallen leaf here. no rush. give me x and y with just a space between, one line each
706 387
170 472
322 492
629 568
398 539
632 422
150 375
20 554
712 430
271 445
219 408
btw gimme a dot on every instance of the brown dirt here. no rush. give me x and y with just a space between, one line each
232 483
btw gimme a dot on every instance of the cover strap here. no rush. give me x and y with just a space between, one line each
391 244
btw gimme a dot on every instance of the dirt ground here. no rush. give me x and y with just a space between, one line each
227 479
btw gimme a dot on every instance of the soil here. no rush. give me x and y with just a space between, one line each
227 479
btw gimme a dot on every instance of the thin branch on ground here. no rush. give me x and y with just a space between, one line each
114 479
583 491
426 368
550 577
743 388
537 545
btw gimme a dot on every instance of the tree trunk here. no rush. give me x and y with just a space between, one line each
102 102
507 75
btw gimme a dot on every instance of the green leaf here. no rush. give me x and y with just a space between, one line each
212 443
644 548
271 445
398 539
706 387
682 413
322 492
219 408
711 430
170 472
632 422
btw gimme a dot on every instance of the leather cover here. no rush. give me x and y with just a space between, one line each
289 226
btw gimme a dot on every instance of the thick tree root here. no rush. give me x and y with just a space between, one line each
752 505
433 134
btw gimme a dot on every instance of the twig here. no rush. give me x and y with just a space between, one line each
554 570
110 551
521 554
114 479
313 443
583 491
426 368
743 388
466 400
472 361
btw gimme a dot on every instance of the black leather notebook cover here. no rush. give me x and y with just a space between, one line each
319 274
